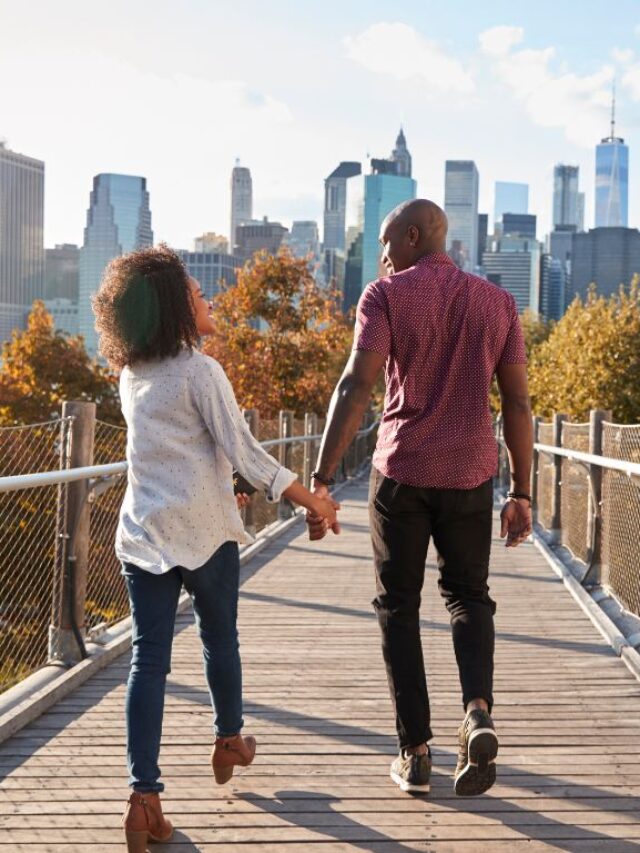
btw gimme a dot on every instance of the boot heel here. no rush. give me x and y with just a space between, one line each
136 840
222 774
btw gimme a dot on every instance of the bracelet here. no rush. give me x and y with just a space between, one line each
326 481
521 495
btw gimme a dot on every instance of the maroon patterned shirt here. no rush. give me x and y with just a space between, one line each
443 333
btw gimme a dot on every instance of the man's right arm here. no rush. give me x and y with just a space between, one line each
518 436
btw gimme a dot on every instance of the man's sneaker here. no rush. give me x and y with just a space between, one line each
412 772
476 770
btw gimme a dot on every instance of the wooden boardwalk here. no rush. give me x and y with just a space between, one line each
567 711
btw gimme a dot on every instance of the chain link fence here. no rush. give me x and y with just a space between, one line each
574 492
28 522
37 533
621 516
546 467
107 599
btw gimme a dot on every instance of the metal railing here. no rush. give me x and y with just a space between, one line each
586 493
61 487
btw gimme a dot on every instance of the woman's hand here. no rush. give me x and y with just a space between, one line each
242 500
321 516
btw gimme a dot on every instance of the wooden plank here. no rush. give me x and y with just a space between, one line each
316 698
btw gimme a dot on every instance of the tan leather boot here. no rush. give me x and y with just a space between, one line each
143 821
229 752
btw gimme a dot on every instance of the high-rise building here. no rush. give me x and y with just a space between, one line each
581 204
21 237
510 198
211 269
513 262
401 156
523 224
241 200
612 179
61 272
384 189
553 282
118 221
606 257
461 206
211 242
483 232
255 236
64 313
566 195
304 242
338 188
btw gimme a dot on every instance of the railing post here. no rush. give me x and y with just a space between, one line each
310 428
252 417
285 430
556 492
535 467
594 502
66 632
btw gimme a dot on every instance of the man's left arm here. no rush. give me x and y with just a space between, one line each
348 405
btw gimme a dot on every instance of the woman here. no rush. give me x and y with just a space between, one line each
179 523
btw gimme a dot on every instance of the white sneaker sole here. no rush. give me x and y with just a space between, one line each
479 773
407 786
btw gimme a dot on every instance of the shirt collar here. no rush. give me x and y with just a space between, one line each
435 258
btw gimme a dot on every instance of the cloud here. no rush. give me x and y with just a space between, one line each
622 55
552 98
498 41
631 81
399 51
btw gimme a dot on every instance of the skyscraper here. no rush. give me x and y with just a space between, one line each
606 257
241 200
210 269
337 191
21 237
118 221
566 195
384 189
612 178
523 224
483 231
514 264
510 198
61 270
258 235
461 206
401 156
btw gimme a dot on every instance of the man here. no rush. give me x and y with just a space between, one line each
442 335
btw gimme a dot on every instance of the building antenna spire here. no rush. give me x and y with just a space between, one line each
613 108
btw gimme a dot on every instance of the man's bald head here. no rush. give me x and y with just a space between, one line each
413 229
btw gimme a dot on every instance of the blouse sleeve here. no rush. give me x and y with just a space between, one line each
216 402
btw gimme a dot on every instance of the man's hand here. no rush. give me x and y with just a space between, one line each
242 500
319 526
515 521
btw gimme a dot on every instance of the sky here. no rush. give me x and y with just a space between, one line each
291 88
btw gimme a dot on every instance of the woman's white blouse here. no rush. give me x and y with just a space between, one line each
185 436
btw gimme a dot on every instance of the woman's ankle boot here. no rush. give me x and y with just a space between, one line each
143 821
229 752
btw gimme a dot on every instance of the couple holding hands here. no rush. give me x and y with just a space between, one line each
441 335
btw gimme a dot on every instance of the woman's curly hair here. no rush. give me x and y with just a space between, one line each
144 308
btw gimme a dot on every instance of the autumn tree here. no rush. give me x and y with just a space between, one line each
41 368
591 359
281 338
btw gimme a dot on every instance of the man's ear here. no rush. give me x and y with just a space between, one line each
413 234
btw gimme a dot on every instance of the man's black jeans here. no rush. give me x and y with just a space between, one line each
403 519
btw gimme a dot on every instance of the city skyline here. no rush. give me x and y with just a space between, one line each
439 76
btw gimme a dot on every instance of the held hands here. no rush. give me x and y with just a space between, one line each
322 516
515 521
242 500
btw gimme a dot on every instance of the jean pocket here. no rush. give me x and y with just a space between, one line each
386 492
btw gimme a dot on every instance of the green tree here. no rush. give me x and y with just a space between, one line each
281 338
41 368
591 359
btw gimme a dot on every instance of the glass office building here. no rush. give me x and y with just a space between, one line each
510 198
606 257
461 206
21 238
118 221
382 192
211 269
612 183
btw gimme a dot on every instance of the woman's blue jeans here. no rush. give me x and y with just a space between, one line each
153 598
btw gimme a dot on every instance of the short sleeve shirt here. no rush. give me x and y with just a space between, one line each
443 333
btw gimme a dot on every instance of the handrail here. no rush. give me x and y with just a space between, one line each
631 469
117 469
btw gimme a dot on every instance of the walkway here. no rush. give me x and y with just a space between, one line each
567 710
